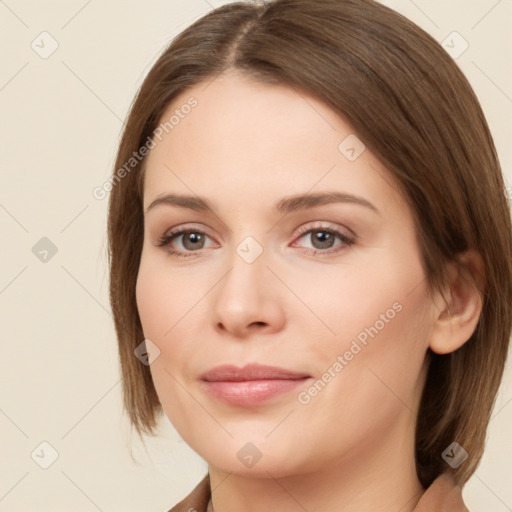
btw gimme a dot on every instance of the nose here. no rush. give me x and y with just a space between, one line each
248 298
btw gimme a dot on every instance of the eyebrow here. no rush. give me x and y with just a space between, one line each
286 205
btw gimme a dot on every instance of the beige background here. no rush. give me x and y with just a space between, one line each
61 118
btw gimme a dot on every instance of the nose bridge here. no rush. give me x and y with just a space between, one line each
248 275
247 293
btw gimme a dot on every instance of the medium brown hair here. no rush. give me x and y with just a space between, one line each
414 109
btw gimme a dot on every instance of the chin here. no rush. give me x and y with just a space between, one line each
255 456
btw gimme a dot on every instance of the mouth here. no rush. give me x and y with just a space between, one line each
251 385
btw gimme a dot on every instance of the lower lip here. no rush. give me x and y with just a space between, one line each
250 392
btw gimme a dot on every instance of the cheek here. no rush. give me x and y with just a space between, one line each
153 296
379 320
364 389
378 297
377 361
169 309
165 300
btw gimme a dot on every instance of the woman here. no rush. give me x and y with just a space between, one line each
310 250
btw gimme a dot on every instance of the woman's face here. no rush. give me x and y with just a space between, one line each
306 261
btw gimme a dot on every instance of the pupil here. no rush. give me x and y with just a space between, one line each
192 239
324 239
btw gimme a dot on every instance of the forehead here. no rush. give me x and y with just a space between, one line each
252 141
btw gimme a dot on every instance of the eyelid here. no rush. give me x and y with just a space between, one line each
310 226
300 231
176 232
200 228
346 240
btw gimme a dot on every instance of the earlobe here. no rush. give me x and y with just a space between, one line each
458 307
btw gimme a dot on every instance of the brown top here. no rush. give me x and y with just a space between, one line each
444 495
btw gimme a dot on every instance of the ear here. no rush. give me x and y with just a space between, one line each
458 306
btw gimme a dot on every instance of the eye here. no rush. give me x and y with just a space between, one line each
192 240
323 239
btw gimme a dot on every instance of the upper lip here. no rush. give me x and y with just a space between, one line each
250 372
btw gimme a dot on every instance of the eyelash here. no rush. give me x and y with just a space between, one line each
165 240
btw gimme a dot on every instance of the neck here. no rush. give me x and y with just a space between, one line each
378 477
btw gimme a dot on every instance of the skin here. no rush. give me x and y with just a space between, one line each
245 146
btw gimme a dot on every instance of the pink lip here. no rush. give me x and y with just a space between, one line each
250 385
